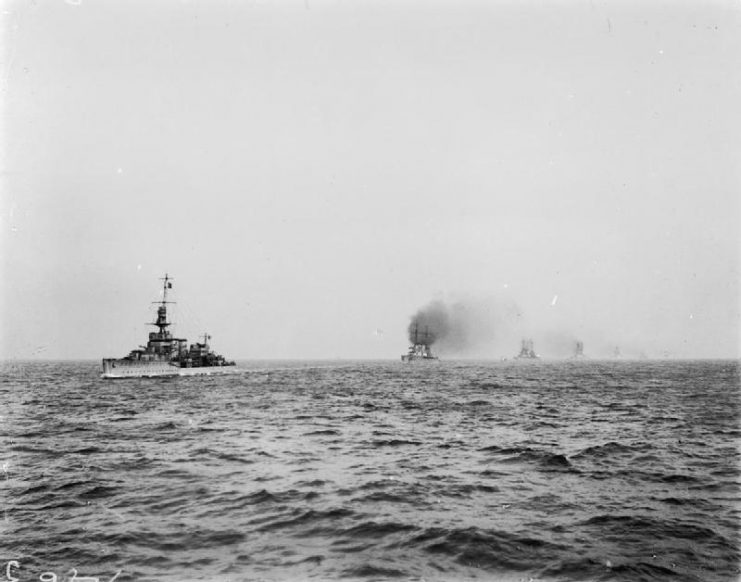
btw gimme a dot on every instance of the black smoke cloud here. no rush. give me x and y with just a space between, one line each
494 327
466 327
430 324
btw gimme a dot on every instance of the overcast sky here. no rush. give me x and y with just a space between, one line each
313 173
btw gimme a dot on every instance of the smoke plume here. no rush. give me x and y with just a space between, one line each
558 344
494 326
429 324
467 327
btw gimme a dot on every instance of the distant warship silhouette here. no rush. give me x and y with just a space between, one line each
420 348
579 350
527 351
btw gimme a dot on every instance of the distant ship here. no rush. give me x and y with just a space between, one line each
165 355
579 350
420 349
527 351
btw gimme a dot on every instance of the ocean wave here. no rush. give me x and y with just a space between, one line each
309 518
487 549
394 443
609 449
373 572
631 526
323 432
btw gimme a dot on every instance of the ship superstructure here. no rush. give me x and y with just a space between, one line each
166 355
420 348
527 351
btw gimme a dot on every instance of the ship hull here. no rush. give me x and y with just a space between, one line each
414 358
117 369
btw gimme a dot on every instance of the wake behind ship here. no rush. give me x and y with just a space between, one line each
165 355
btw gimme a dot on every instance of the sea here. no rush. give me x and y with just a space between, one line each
373 470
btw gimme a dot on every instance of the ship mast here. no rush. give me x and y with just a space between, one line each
162 322
165 286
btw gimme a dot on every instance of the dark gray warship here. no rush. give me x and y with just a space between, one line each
420 348
165 355
527 351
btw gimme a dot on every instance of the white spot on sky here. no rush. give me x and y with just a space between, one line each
555 298
74 2
120 170
138 267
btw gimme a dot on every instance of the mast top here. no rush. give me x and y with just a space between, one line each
167 284
162 322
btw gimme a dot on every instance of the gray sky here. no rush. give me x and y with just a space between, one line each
313 173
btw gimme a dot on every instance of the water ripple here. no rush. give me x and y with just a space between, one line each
375 471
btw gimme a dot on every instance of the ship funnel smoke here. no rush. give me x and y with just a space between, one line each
465 327
429 324
559 343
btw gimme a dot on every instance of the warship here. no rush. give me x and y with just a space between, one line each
420 348
165 355
579 350
527 351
